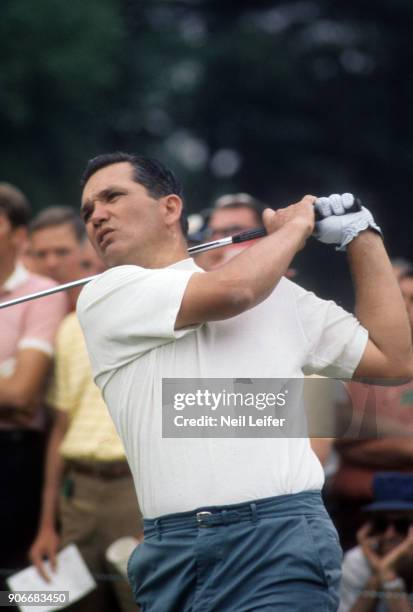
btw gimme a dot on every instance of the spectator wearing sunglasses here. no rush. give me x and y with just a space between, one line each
229 215
378 573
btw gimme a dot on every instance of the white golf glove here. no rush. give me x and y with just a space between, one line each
339 226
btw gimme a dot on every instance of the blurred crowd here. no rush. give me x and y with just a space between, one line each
65 476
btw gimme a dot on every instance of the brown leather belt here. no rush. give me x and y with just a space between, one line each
107 470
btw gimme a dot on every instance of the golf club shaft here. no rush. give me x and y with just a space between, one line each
200 248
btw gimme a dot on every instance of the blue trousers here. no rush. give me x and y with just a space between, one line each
276 554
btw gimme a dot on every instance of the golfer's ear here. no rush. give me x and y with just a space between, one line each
172 206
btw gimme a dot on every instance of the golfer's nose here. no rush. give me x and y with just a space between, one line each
100 214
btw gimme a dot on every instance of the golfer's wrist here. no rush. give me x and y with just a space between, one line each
301 227
366 236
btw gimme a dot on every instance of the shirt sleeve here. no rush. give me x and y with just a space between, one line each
336 340
42 319
128 311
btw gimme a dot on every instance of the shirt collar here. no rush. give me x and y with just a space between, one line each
16 278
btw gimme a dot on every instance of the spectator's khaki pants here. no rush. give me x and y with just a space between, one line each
94 513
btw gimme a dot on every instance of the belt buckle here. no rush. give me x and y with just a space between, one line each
200 516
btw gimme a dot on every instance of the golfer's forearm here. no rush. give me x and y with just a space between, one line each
244 281
257 270
379 303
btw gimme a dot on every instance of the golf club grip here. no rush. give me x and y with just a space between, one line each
355 208
259 232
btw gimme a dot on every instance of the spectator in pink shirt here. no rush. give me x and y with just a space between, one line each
27 334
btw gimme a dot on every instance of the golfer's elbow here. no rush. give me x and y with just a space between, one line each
385 365
401 369
404 362
209 297
243 296
238 300
216 308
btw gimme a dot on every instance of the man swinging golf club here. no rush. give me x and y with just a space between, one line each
231 524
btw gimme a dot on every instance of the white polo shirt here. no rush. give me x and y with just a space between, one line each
128 315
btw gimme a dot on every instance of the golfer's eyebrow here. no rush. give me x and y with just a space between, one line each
87 207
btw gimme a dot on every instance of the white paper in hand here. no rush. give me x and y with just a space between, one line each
71 575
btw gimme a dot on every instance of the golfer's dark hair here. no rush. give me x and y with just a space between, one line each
54 216
157 178
14 204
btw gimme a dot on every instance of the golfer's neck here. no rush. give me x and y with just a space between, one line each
167 256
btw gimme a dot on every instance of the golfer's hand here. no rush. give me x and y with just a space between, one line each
44 547
300 215
338 226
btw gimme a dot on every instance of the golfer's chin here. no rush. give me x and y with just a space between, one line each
110 255
113 255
